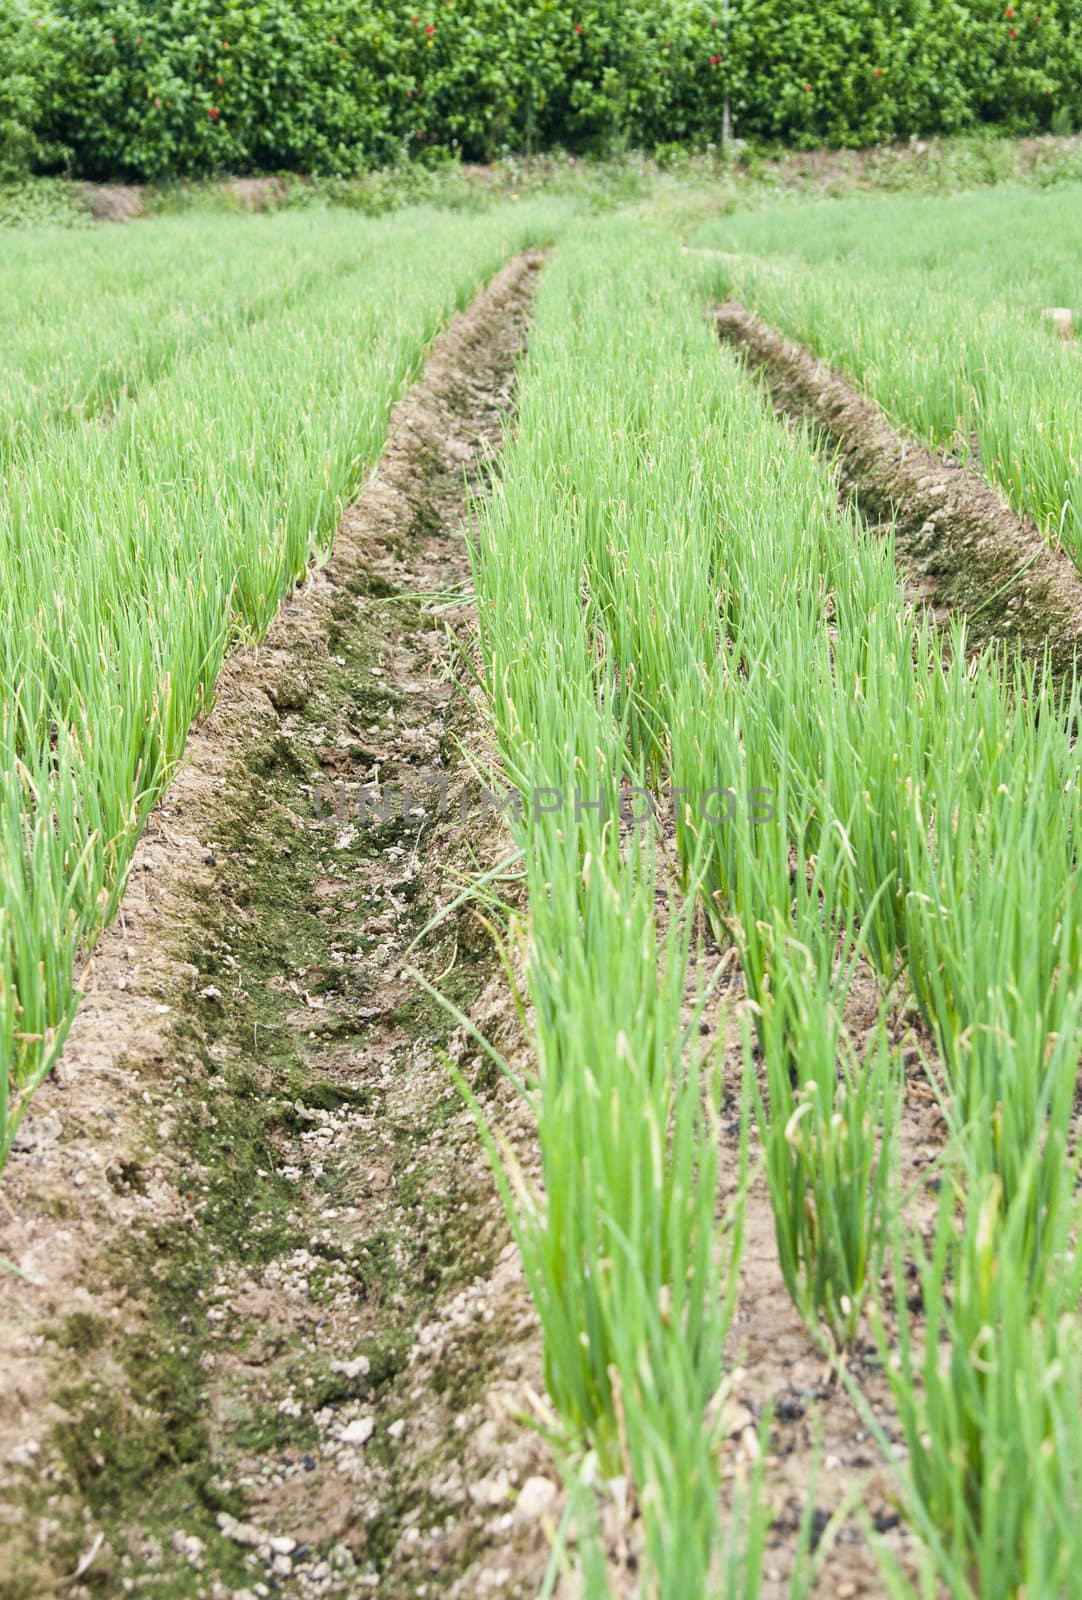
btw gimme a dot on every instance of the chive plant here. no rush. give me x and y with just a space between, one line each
670 596
829 1115
633 1274
936 308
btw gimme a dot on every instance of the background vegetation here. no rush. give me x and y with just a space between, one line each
138 90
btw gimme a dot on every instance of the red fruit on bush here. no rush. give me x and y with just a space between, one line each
213 113
578 27
878 72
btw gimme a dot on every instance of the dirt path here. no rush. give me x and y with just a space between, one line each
270 1334
967 549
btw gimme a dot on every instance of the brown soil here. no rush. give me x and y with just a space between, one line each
269 1327
916 164
256 194
113 202
967 549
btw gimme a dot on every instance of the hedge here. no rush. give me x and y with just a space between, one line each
149 89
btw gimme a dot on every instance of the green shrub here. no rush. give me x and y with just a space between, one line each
19 93
156 88
191 87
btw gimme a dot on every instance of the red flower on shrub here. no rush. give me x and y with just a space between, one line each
157 103
221 80
1014 33
877 72
807 88
415 20
1009 11
213 113
714 60
430 29
578 27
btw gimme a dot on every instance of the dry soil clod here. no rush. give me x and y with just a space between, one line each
1062 320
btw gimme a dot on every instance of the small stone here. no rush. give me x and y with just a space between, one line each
342 1558
358 1432
242 1533
352 1369
536 1497
490 1491
283 1546
210 992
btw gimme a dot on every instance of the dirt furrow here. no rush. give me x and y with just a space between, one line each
966 548
268 1333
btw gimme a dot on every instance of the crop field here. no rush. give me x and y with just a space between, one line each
973 276
540 1012
169 466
